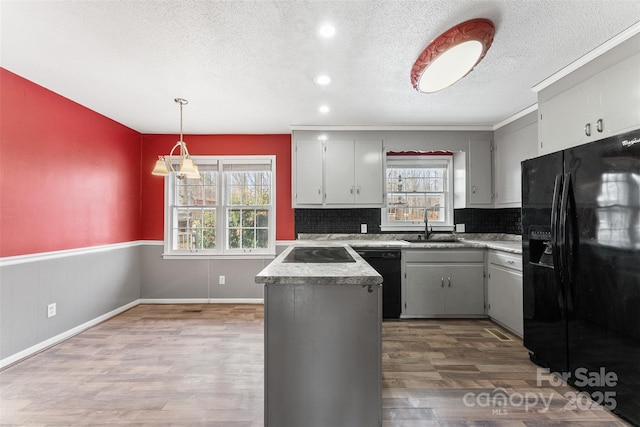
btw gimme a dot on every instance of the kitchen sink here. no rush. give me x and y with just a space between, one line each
447 240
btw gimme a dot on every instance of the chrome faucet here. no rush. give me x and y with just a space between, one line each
427 230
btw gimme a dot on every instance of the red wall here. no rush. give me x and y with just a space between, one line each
69 177
153 194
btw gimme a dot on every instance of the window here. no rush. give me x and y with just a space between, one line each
230 210
415 184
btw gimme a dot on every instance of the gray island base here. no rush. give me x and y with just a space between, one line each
323 324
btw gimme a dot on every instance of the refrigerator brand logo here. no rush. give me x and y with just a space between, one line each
630 142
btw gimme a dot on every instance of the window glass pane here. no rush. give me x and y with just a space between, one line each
249 188
197 192
262 218
262 238
248 218
248 238
233 238
196 229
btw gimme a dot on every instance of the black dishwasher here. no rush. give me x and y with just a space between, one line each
387 263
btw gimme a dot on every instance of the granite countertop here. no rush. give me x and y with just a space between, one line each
342 273
497 241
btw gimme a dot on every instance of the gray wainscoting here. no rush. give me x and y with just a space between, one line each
90 285
84 284
172 279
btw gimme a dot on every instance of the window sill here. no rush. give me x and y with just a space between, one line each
219 256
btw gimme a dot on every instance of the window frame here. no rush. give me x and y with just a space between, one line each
222 208
420 161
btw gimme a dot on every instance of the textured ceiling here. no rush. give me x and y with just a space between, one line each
247 67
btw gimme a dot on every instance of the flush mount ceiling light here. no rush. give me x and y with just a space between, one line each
452 55
188 169
324 109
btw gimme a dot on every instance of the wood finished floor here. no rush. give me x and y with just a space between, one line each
202 365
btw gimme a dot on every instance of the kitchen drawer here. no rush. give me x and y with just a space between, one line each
440 256
506 260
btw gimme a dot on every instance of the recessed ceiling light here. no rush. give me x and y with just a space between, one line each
452 55
324 109
327 30
322 79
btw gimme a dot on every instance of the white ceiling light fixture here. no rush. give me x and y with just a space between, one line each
188 169
324 109
327 31
452 55
322 79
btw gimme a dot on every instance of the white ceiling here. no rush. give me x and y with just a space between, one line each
247 66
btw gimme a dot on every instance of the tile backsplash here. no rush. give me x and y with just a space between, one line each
506 220
321 221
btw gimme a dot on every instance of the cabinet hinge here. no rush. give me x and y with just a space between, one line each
405 305
325 148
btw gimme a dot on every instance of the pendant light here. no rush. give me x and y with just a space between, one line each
187 169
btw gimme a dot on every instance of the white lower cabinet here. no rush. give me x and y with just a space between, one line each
504 290
443 283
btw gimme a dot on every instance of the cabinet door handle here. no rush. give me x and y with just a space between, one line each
442 282
587 129
474 189
510 261
449 281
599 126
351 190
319 190
358 189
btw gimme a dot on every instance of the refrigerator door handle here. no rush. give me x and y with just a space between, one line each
568 231
557 238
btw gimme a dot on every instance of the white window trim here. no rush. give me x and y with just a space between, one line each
221 228
419 225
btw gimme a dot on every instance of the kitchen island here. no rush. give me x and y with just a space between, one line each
323 322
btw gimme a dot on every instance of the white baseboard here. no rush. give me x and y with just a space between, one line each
201 301
63 336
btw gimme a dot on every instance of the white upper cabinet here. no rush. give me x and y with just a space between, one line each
472 178
369 172
603 105
480 190
338 173
307 179
510 150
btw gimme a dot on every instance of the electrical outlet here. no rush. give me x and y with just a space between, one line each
51 310
363 228
459 228
221 280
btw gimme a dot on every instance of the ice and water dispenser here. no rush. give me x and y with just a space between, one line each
540 247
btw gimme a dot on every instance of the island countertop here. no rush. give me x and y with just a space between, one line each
335 273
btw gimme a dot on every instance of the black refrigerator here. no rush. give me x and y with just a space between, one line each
581 268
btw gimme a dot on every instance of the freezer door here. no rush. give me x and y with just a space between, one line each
543 302
604 260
